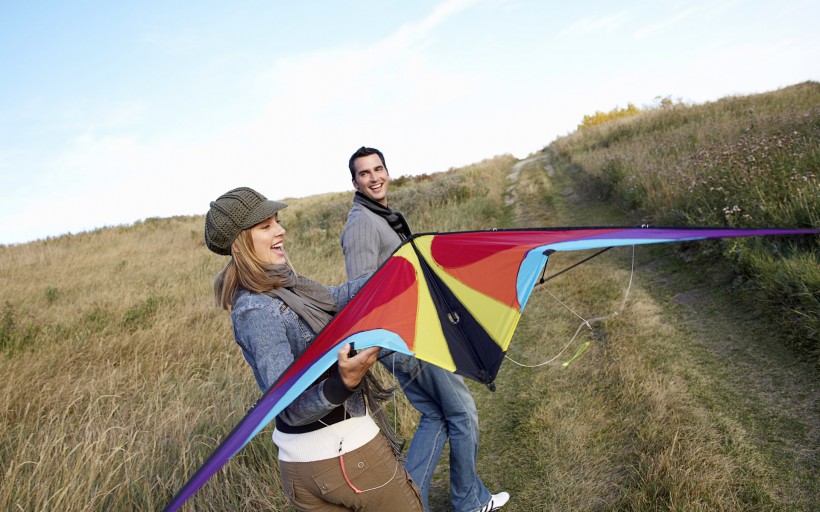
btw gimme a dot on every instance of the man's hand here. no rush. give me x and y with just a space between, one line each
352 369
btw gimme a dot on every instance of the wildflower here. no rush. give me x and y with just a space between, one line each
730 213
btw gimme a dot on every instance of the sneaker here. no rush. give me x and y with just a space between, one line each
496 502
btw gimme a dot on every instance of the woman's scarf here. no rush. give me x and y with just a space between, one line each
308 299
395 219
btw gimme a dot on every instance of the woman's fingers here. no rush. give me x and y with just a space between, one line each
368 355
352 369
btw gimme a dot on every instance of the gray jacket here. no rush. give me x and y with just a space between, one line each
367 241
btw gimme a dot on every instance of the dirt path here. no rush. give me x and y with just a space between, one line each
761 385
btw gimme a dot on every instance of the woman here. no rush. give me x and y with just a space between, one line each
332 455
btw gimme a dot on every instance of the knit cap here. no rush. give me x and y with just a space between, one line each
234 211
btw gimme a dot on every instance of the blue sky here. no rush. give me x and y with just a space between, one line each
112 112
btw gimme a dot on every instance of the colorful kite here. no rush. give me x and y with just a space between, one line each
451 299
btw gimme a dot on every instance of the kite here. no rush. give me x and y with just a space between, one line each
451 299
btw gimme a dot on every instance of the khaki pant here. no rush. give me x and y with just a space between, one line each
373 469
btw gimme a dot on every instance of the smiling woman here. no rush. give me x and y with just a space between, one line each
268 240
276 314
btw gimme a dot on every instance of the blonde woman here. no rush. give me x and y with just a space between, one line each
332 455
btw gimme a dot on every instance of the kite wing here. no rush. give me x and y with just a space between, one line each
451 299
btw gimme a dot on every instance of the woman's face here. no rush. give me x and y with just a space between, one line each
268 241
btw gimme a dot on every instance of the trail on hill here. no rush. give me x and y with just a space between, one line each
760 384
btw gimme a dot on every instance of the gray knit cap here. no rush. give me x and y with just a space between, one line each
232 212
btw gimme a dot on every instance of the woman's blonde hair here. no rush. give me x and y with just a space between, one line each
244 270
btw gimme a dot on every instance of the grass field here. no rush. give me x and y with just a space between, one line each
121 376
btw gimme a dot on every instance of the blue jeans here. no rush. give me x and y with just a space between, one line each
447 410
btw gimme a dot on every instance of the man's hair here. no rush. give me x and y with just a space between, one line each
363 151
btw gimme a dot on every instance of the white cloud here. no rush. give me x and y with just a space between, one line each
323 106
603 25
656 27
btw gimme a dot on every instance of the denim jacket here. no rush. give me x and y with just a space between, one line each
272 336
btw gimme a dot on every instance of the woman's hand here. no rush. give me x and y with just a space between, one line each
352 369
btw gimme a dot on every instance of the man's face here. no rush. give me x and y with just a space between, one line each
371 178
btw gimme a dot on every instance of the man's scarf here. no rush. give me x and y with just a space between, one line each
395 219
308 299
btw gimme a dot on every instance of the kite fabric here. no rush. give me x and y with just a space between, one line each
451 299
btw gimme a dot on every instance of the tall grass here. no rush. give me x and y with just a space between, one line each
113 336
120 376
678 404
740 162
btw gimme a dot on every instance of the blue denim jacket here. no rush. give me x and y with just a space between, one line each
272 336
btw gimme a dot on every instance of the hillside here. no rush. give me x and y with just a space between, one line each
696 392
747 161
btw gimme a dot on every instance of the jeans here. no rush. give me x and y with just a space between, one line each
447 410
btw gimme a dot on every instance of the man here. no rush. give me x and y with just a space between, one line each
372 232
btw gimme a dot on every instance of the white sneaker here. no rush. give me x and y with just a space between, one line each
496 502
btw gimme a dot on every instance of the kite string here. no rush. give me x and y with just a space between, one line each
584 321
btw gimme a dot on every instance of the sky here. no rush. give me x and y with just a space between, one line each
114 112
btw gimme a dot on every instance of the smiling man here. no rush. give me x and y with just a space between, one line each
372 232
370 177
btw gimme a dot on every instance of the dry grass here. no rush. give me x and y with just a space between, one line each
110 338
121 376
666 411
739 162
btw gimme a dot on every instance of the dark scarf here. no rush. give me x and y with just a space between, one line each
395 219
314 304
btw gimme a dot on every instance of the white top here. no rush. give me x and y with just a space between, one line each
328 442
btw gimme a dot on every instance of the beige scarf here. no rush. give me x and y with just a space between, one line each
309 299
